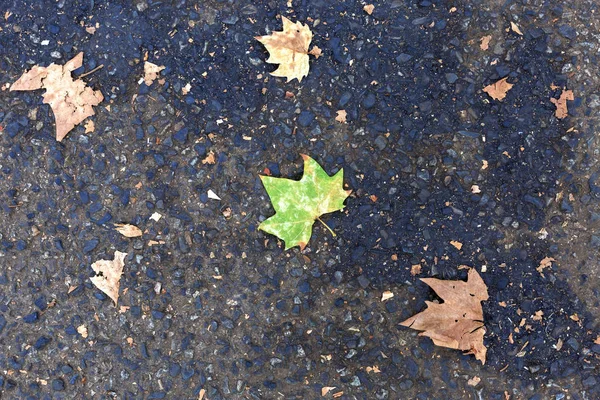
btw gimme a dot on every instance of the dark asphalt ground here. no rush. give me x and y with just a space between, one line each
220 307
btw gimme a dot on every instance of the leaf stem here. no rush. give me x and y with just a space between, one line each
91 72
327 226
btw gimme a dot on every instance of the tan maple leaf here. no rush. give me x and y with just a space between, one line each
71 100
456 323
108 275
498 89
289 49
561 103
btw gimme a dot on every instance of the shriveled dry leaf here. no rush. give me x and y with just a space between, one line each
326 389
485 42
209 159
386 295
341 116
498 90
89 126
186 89
108 275
289 49
82 330
515 28
559 344
71 100
456 323
456 244
415 269
369 8
128 230
539 315
151 72
561 103
316 51
201 394
474 381
545 263
155 216
574 317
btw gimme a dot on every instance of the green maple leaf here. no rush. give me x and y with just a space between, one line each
299 203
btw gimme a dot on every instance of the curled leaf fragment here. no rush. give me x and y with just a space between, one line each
108 275
128 230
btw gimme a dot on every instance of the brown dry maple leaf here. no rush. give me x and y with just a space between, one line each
498 90
289 49
456 323
70 100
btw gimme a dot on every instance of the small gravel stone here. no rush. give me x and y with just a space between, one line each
306 118
403 58
381 142
369 101
363 281
567 31
90 245
451 77
58 385
589 382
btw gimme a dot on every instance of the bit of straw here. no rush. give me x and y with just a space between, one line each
91 72
327 226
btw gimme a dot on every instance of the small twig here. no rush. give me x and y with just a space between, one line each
91 72
327 226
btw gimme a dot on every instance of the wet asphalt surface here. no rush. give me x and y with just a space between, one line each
219 307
